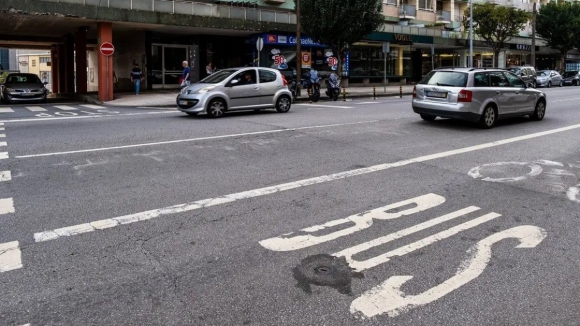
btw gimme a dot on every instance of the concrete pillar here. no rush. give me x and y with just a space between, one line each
69 64
54 73
399 68
463 60
501 59
61 79
105 69
81 59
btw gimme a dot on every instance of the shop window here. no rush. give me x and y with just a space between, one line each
481 80
267 76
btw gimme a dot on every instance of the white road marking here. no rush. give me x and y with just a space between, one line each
10 256
6 206
366 103
82 117
2 129
573 193
535 170
569 99
381 259
36 108
2 135
5 176
3 155
158 108
3 144
362 221
6 110
196 139
326 106
91 106
111 222
387 298
65 107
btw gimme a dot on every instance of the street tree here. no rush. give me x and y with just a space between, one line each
496 24
340 23
557 23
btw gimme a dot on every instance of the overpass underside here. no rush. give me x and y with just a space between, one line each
158 41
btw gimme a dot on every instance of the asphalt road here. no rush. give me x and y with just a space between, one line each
338 213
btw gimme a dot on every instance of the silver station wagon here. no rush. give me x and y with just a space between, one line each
236 89
476 94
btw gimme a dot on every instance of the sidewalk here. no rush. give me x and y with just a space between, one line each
166 98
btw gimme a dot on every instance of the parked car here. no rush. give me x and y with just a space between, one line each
482 95
571 78
20 87
527 74
548 78
236 89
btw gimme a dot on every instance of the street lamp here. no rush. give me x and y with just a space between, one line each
470 33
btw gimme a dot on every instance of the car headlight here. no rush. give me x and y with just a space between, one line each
184 91
9 89
205 90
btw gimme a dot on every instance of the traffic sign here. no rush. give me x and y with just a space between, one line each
260 44
107 49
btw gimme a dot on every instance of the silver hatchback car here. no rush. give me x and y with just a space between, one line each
236 89
476 94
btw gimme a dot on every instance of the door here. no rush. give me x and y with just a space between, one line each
504 93
269 85
523 99
244 91
166 65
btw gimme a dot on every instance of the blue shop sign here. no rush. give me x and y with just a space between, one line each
276 39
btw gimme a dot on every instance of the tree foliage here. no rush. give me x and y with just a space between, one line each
496 24
558 24
340 23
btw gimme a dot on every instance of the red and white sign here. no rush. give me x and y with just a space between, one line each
332 61
271 38
107 49
278 59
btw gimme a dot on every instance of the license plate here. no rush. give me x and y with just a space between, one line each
27 94
183 102
436 94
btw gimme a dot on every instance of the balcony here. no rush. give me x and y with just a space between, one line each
443 17
390 2
407 12
192 8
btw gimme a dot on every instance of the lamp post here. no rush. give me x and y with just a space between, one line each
298 46
470 33
534 36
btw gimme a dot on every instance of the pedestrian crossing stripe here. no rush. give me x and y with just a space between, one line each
65 107
6 110
47 108
91 106
36 108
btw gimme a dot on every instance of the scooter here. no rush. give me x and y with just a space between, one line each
333 87
312 83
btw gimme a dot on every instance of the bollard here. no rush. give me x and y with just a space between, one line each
310 94
374 92
344 94
401 91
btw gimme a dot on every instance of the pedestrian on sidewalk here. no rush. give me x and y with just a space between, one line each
185 75
136 77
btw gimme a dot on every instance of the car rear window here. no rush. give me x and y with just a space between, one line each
445 78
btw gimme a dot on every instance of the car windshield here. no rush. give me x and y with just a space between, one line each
218 76
570 73
22 79
544 73
445 78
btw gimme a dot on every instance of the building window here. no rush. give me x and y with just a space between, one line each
34 63
44 59
426 4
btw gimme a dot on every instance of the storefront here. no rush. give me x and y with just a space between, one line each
573 61
519 55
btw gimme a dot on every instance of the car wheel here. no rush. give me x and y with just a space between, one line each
534 85
576 83
283 104
489 117
540 111
216 108
191 114
428 117
549 84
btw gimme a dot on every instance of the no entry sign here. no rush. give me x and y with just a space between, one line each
107 49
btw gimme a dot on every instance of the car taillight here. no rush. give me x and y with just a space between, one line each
414 91
284 80
464 96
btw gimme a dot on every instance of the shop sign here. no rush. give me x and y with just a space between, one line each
279 59
289 40
523 47
403 38
306 59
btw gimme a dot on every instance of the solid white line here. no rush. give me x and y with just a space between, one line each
65 107
10 256
196 139
6 206
326 106
112 222
36 108
91 106
366 102
83 117
5 176
3 155
6 110
568 99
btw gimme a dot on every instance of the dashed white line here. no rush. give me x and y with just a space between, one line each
10 256
366 102
132 218
65 107
36 108
6 110
91 106
5 176
197 139
6 206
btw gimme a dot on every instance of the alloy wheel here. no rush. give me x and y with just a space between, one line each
217 109
489 116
